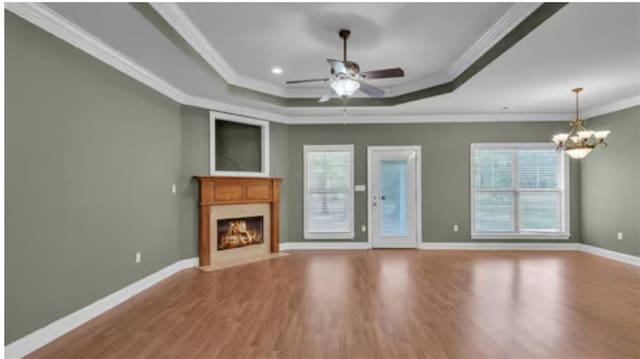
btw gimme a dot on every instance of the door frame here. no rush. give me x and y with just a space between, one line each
418 150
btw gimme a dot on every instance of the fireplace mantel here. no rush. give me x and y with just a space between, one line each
220 191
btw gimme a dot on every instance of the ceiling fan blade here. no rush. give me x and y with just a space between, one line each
303 81
338 66
371 90
383 74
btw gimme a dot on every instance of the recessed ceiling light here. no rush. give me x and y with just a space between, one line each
276 70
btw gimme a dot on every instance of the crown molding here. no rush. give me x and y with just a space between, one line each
52 22
612 107
183 25
507 22
431 118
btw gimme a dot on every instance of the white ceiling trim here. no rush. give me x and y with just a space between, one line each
612 107
429 118
52 22
181 23
507 22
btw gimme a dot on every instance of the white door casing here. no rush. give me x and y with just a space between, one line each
394 196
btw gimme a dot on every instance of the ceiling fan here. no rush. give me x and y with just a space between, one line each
346 77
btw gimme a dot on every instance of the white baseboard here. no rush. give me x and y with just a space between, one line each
52 331
616 256
620 257
323 245
499 246
42 336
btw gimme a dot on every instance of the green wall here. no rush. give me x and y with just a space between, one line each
195 161
610 184
91 155
445 168
90 158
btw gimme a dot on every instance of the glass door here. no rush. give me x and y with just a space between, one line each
393 197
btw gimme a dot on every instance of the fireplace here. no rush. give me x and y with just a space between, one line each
239 213
240 232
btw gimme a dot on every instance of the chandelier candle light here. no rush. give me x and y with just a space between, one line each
579 142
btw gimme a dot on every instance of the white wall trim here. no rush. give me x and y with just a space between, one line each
265 147
181 22
427 118
499 246
612 107
293 246
616 256
54 330
370 151
52 22
509 20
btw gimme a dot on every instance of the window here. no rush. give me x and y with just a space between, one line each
518 191
238 146
328 192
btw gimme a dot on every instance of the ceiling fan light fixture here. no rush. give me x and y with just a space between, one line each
345 87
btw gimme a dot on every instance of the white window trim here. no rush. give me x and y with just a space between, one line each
563 234
264 152
338 235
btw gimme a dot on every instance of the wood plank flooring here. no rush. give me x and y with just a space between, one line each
378 304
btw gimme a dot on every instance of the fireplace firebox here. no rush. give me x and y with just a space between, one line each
239 232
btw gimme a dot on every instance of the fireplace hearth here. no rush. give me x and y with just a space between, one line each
240 232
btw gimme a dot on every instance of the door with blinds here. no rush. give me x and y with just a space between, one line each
394 196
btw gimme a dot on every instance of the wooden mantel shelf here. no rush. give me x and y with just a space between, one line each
219 191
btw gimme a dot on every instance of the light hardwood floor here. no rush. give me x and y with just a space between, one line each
378 304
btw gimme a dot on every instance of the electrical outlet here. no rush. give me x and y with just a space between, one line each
455 227
173 188
363 228
619 235
138 257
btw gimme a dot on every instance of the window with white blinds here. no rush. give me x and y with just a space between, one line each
328 192
518 191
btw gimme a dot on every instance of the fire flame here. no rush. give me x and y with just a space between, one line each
238 236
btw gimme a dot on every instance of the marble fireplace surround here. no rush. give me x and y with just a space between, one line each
229 257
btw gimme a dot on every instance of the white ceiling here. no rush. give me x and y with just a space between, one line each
593 45
422 38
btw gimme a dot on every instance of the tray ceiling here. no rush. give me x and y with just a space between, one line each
596 46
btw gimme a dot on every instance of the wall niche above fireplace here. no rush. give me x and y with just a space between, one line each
240 232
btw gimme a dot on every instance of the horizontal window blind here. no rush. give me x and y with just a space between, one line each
517 188
329 191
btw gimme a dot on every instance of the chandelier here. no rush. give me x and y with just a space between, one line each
579 141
